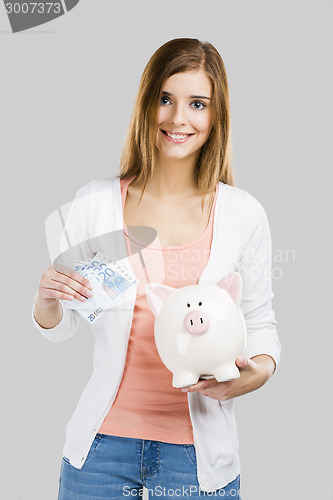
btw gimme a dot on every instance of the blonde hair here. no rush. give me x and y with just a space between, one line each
139 151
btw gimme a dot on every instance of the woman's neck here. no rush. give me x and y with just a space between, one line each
173 178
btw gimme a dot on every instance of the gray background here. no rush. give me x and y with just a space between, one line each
67 92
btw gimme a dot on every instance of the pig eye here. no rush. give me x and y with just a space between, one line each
200 304
188 305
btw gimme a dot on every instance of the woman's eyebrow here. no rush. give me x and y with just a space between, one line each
191 96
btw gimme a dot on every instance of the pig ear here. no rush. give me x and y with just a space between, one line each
232 283
156 295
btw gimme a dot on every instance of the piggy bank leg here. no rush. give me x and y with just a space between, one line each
183 378
227 372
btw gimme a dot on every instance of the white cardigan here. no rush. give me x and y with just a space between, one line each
241 242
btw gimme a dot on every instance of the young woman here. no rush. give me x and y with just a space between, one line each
131 427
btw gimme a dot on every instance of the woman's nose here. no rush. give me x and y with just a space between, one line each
178 116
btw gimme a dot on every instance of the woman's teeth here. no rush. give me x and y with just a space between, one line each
177 136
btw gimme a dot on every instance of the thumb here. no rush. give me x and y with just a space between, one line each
242 362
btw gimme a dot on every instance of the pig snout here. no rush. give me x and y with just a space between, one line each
196 322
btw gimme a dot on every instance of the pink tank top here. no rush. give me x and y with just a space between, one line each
147 406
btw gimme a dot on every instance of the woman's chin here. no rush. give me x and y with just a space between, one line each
163 154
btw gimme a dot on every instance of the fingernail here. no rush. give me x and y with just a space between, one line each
90 294
241 361
185 389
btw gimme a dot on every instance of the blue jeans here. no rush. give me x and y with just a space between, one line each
118 468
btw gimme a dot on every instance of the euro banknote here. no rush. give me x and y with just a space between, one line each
110 280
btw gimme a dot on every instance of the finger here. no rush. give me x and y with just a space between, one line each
205 384
80 279
75 276
67 291
66 284
189 389
55 294
242 362
192 388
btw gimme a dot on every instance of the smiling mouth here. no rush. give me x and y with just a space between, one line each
176 137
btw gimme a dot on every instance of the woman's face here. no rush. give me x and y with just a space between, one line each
185 115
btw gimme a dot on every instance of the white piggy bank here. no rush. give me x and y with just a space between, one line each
199 329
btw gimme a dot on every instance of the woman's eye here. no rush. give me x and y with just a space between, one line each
202 104
163 99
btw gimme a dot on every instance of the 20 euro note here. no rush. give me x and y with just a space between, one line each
109 279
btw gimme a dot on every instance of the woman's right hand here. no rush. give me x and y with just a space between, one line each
55 285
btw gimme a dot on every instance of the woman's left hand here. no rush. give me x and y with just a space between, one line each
254 373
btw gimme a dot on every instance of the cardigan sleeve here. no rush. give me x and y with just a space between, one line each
64 330
73 244
255 268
